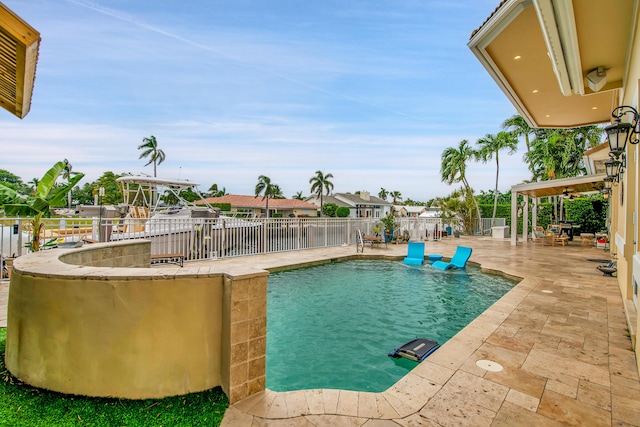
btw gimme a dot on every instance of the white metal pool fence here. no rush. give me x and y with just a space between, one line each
487 224
205 238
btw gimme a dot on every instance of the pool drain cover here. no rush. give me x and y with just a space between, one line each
489 365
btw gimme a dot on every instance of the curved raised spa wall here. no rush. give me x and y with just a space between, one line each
98 321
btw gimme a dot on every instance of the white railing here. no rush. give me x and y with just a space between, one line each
205 238
486 225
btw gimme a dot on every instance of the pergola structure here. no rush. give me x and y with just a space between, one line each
535 190
19 45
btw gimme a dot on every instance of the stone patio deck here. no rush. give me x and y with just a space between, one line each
560 334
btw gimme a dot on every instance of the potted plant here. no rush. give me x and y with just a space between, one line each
389 223
376 229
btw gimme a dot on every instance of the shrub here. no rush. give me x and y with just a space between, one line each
329 209
343 212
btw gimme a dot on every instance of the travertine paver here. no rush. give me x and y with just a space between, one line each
560 335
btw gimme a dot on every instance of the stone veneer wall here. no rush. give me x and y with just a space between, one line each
98 321
247 317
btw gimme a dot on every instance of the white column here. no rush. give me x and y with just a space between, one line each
534 213
525 219
514 218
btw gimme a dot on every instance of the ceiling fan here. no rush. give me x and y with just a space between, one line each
568 194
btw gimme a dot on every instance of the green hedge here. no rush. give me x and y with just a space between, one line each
502 211
588 212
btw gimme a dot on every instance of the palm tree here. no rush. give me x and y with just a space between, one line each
383 194
264 187
397 196
67 174
518 126
454 166
319 184
490 147
215 192
276 192
298 196
151 150
34 184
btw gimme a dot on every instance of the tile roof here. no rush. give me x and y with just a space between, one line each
412 209
355 198
502 3
329 199
238 201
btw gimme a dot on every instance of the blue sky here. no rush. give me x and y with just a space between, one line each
370 91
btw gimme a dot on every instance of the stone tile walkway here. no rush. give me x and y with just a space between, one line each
560 335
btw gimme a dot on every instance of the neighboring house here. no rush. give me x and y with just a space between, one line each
431 213
594 159
408 211
362 205
255 206
331 199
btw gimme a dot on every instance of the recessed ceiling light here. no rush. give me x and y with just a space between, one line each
534 91
594 108
517 57
548 115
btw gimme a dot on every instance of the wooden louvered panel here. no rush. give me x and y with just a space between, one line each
19 44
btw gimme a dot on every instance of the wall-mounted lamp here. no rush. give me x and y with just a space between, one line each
619 133
608 183
613 169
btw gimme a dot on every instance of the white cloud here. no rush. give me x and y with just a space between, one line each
233 90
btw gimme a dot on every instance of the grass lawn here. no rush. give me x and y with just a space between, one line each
23 405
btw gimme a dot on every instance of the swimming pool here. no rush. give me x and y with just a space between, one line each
333 325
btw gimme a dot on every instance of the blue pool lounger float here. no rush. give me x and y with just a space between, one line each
416 350
459 259
415 253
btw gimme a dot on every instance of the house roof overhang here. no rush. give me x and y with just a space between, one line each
19 44
556 187
539 52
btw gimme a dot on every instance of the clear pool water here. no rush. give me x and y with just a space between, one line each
332 326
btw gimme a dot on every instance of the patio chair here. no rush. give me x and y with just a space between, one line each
540 236
459 259
403 237
587 239
372 240
415 253
557 236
